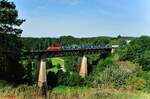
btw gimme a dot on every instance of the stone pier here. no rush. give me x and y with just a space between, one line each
42 81
83 67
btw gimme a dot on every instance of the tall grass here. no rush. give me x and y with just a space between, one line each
65 92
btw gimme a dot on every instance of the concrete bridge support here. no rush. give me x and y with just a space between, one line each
83 67
42 80
113 50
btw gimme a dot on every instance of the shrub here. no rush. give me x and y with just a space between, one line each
112 75
69 79
103 64
88 81
145 75
144 61
72 63
30 71
136 83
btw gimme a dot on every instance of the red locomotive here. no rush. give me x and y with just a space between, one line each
54 48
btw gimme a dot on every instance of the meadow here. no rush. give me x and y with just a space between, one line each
66 92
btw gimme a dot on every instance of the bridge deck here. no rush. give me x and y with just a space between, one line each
67 52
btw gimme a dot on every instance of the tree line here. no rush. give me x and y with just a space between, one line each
43 43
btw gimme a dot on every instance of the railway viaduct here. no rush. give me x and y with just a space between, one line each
82 52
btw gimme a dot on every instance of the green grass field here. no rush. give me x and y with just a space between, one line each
56 62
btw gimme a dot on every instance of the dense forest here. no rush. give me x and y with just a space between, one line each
43 43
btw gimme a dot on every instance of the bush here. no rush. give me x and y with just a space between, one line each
145 61
88 81
69 79
136 83
72 63
145 75
112 75
103 64
30 71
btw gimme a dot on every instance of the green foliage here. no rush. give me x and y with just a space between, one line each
4 84
43 43
54 69
69 79
107 72
145 75
18 92
70 90
120 42
112 75
138 52
145 60
33 44
136 83
93 59
66 92
54 64
122 53
103 64
56 61
72 63
10 42
30 70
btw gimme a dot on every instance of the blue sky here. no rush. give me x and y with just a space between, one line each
84 18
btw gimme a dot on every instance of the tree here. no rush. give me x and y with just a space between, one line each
10 42
138 52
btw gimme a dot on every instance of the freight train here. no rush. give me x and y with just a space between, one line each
59 48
